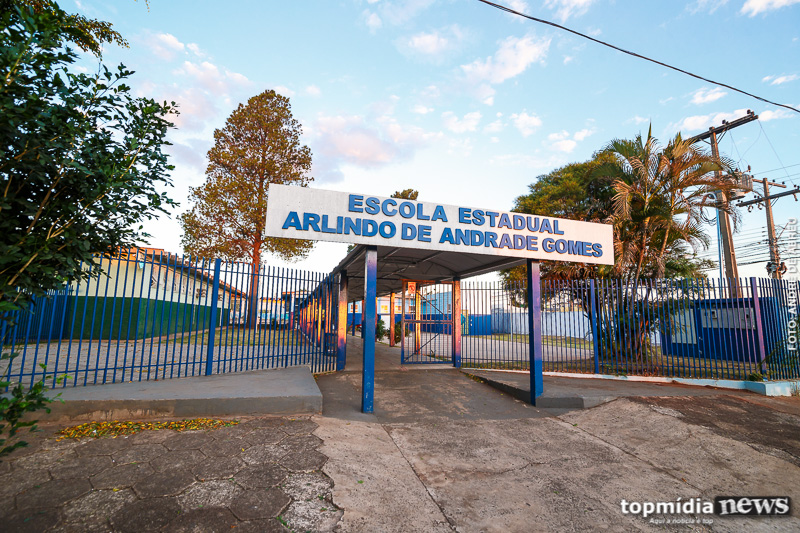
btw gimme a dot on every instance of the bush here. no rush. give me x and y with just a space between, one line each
398 334
380 330
15 405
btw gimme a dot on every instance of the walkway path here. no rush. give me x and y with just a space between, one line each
442 452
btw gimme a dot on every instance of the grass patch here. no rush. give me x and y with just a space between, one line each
548 340
116 428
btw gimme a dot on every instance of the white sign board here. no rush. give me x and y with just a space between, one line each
320 215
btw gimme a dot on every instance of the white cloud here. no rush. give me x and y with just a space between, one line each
568 60
313 90
558 136
212 78
706 5
520 6
400 12
525 123
511 59
754 7
582 134
349 139
421 109
703 122
569 8
527 160
372 20
494 127
778 80
468 123
283 91
434 43
704 96
766 116
195 49
566 146
164 45
638 120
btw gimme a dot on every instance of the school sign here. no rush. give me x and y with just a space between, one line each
315 214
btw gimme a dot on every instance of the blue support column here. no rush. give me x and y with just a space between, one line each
341 324
212 328
762 352
455 313
368 328
595 328
535 329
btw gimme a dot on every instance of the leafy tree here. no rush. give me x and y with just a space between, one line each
406 194
660 198
86 33
259 145
81 163
80 168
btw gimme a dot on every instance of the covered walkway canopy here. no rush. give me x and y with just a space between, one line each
396 264
374 271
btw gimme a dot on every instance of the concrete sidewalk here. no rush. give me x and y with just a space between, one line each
442 452
259 392
583 393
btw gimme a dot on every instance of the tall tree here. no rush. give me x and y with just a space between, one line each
259 145
406 194
81 163
87 33
660 197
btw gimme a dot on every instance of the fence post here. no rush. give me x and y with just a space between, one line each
593 315
762 355
341 324
455 314
535 329
213 317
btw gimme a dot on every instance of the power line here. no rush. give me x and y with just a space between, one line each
634 54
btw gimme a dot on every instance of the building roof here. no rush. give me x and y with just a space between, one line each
396 264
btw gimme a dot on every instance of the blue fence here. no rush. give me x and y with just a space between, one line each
144 315
695 328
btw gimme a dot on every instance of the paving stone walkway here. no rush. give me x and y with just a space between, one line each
264 474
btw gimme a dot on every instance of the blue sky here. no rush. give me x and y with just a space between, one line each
459 100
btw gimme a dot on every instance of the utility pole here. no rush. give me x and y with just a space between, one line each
731 270
775 267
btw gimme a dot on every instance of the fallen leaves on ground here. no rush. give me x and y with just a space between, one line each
116 428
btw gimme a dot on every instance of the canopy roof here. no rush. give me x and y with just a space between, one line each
396 264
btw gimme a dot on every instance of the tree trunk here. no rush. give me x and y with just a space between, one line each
253 303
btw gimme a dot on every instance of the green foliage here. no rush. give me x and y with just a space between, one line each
81 165
259 145
380 330
406 194
86 33
15 405
398 332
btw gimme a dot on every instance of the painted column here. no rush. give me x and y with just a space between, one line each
391 320
368 328
455 313
535 329
417 318
362 313
341 324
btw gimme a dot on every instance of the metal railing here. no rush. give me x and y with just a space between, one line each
693 328
145 315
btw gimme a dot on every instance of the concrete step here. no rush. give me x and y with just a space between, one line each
285 391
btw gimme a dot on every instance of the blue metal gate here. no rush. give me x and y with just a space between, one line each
427 325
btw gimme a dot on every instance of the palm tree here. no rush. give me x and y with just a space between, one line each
661 196
658 208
